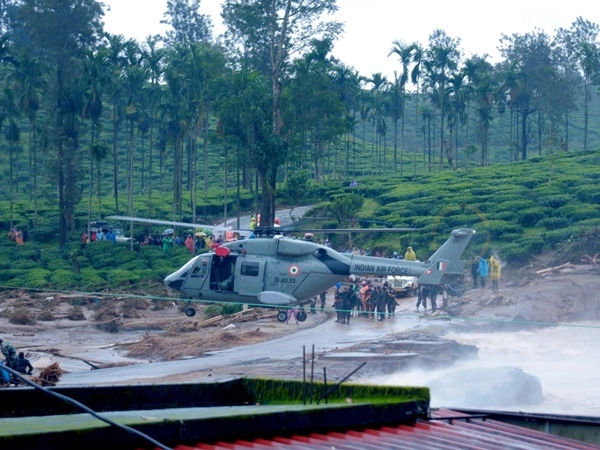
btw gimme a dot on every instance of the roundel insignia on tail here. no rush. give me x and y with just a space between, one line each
294 270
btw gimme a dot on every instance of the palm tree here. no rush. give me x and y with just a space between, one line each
405 54
27 77
117 62
418 54
380 84
9 111
458 93
152 59
442 59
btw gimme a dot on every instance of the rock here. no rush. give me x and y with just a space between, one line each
486 388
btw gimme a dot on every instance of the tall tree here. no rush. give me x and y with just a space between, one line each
188 25
268 32
536 71
61 30
581 45
443 55
404 52
418 55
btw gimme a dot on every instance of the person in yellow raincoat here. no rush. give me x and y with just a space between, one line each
495 271
410 254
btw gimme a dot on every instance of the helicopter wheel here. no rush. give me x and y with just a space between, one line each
282 316
301 315
190 312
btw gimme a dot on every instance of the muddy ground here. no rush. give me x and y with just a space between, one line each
82 332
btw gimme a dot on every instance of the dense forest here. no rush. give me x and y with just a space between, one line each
96 122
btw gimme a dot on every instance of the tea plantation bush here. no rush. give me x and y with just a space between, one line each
529 217
553 223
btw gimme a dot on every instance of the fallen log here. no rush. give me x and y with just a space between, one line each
550 269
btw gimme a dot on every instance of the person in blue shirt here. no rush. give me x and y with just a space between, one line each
110 236
483 271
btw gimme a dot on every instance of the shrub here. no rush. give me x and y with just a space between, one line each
46 315
589 193
555 200
219 309
533 245
553 223
515 254
555 237
63 279
514 205
108 319
498 228
37 278
76 313
580 211
530 216
118 277
91 279
21 316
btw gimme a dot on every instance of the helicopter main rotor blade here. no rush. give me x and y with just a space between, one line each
350 230
171 223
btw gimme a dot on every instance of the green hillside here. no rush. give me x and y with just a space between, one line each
518 210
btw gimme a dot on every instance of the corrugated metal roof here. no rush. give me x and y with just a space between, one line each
447 430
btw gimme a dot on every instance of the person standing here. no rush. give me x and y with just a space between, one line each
380 302
495 271
292 312
189 243
110 236
346 304
483 271
475 271
9 353
337 305
410 254
323 297
422 294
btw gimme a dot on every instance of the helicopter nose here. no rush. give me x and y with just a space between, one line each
174 284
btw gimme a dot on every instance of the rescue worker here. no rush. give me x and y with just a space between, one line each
23 364
380 297
422 294
346 304
410 254
390 301
9 353
495 271
337 305
433 293
323 297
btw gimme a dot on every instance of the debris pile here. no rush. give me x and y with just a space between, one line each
49 376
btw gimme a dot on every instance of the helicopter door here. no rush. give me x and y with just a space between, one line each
197 276
249 276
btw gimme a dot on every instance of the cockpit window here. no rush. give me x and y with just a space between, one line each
200 268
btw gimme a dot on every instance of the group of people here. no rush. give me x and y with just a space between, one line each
482 268
19 236
99 235
13 361
368 300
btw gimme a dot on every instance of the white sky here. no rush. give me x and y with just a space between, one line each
372 25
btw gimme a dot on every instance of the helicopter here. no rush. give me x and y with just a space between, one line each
275 271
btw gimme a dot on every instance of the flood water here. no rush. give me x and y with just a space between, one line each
565 359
